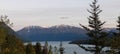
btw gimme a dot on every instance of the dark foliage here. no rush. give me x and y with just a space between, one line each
61 49
95 30
30 49
38 48
9 43
115 41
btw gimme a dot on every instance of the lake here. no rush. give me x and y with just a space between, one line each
69 48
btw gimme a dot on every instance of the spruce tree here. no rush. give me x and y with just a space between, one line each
95 30
50 50
116 38
45 48
61 49
118 26
4 21
30 49
38 48
56 50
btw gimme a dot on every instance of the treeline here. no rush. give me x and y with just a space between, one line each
11 44
46 49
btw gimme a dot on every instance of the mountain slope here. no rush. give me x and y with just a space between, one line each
9 40
54 33
4 31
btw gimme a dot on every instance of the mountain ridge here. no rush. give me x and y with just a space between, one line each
54 33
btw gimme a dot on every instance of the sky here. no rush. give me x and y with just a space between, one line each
48 13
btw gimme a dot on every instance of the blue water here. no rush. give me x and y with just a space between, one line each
69 48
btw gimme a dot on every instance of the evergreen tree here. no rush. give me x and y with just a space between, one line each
45 48
95 30
50 50
46 44
30 49
61 49
3 22
4 19
55 50
2 35
38 48
118 26
116 38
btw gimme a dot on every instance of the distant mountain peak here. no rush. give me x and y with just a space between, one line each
62 25
57 32
28 27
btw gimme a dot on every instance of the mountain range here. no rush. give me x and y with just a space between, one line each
54 33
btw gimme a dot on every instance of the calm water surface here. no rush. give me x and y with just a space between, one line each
69 48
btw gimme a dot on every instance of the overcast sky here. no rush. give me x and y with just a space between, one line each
55 12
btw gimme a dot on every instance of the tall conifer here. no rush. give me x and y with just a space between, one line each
95 30
61 49
115 43
50 50
30 49
38 48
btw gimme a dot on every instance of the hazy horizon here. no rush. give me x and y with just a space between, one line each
48 13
